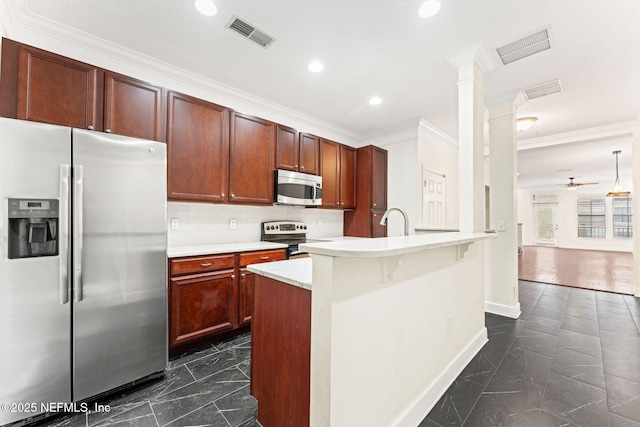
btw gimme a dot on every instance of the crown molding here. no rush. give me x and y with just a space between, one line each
19 21
475 52
620 130
438 138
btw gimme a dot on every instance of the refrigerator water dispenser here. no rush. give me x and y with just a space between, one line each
33 228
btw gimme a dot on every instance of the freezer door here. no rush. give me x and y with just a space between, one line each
35 314
119 243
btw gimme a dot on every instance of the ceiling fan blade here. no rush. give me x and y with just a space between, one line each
586 183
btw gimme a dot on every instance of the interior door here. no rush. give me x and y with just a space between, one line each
545 220
34 314
433 199
119 243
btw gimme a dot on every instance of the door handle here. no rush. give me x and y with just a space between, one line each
78 195
63 235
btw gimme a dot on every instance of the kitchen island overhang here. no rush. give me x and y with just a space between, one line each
393 323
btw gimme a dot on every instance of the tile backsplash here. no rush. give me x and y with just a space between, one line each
208 224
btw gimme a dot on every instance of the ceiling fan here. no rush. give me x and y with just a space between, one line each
573 185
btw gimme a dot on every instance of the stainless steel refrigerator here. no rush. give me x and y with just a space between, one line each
82 264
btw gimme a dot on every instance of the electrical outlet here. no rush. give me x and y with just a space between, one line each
233 224
175 223
319 223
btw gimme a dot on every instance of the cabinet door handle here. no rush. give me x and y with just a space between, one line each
205 264
108 130
374 204
222 195
90 127
233 195
301 167
243 275
233 276
264 258
295 166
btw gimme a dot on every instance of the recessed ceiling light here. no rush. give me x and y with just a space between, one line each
375 100
315 67
429 8
206 7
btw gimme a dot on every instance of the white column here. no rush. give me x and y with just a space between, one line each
471 69
501 284
635 166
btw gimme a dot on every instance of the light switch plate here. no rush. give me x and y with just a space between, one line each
175 223
319 223
501 226
233 224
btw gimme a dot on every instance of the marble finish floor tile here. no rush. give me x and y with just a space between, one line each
559 364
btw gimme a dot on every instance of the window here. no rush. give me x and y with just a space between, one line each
591 217
623 217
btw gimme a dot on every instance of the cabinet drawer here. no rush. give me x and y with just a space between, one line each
262 256
201 264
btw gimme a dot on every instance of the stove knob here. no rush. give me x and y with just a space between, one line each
277 227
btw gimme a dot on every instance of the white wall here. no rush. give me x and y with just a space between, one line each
402 185
568 222
207 224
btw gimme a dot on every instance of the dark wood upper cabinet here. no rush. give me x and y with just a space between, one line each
41 86
298 152
44 87
347 177
252 152
133 107
371 200
309 153
378 178
287 148
337 168
197 149
330 172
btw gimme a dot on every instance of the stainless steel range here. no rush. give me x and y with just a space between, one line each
291 233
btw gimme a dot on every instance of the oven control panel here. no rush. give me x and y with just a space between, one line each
283 227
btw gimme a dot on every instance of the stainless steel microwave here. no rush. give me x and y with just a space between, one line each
297 189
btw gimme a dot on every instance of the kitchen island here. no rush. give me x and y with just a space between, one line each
392 323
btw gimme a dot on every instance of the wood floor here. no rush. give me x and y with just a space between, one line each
599 270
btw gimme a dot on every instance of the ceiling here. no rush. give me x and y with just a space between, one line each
382 48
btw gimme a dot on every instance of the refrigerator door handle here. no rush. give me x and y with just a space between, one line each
63 237
77 232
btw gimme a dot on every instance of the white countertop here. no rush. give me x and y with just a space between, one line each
296 272
388 246
180 251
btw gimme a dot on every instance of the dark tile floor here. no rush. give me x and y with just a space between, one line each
209 387
571 359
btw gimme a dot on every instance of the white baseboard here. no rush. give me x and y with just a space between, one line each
426 400
502 310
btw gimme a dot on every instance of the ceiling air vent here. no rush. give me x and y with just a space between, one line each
527 46
543 89
250 32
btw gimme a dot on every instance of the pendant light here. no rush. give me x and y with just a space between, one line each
617 187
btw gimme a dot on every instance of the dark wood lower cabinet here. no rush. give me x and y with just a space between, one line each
201 304
281 353
210 295
246 283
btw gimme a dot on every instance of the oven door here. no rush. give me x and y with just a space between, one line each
293 188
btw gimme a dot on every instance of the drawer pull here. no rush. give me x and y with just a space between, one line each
264 258
205 264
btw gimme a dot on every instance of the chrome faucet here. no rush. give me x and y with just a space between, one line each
383 221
